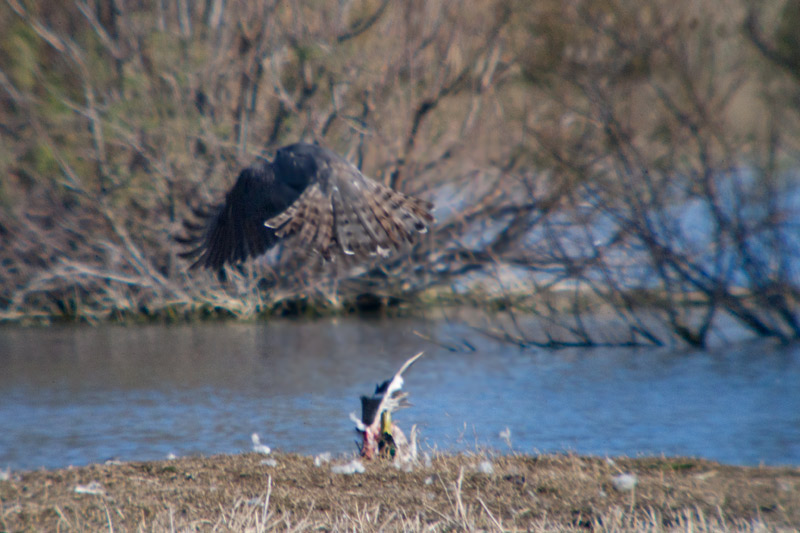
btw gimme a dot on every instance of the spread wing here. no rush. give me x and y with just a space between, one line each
316 198
343 212
233 231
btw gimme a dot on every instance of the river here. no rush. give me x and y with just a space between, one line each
73 395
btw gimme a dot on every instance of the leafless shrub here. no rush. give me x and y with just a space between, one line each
639 159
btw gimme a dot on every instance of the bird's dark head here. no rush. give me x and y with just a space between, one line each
297 162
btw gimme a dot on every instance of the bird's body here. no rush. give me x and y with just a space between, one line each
312 195
375 425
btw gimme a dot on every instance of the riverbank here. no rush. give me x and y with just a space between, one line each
253 492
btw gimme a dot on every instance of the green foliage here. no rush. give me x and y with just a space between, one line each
40 160
22 49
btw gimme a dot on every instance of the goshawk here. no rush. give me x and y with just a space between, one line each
312 195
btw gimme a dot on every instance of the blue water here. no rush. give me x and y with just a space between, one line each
79 395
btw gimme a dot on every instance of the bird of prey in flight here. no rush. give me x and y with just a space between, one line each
313 199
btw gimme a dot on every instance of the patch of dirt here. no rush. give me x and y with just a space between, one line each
242 492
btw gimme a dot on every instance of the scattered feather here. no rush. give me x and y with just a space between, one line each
353 467
506 436
624 482
323 458
427 460
94 488
485 467
257 446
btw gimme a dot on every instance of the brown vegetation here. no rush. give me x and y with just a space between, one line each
529 493
608 154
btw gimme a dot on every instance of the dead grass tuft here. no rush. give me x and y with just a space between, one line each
531 493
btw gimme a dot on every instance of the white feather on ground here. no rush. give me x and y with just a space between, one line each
257 446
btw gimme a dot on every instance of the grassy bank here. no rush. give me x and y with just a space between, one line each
253 492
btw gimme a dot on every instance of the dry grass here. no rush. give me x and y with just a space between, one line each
531 493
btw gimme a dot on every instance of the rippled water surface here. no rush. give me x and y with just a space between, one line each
78 395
